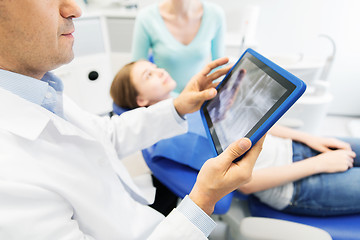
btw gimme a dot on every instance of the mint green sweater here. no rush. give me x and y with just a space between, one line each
181 61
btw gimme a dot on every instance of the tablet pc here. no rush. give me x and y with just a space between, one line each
253 95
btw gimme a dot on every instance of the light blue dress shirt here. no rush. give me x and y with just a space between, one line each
48 94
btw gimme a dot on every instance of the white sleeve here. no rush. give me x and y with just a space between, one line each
31 212
177 227
131 131
142 127
187 221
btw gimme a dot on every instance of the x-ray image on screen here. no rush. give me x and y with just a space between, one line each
243 100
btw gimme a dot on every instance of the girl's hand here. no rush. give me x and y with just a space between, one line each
334 161
323 144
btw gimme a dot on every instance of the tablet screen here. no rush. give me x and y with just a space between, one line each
246 97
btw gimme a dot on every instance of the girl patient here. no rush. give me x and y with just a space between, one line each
296 172
141 84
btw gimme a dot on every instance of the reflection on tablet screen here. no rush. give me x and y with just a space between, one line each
246 97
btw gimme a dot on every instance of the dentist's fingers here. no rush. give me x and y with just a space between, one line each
214 64
235 150
218 73
205 95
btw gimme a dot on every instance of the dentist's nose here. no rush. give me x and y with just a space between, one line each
70 9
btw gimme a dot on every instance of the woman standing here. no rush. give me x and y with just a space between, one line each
181 35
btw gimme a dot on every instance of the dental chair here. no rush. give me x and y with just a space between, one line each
181 178
174 167
172 161
346 227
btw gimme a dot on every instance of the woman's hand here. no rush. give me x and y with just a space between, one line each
323 144
200 88
334 161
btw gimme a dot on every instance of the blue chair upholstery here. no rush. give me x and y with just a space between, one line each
179 178
175 162
151 57
118 110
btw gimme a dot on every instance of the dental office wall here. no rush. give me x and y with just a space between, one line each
292 27
286 31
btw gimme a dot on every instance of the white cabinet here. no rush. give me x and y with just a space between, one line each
120 32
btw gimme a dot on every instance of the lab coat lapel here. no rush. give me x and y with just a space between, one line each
82 119
20 117
145 197
28 120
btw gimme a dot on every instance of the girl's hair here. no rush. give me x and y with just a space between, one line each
122 89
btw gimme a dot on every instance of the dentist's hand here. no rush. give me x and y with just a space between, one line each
200 88
219 176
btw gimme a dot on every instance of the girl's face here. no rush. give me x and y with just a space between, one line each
152 83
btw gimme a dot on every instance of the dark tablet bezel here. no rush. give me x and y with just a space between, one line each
294 89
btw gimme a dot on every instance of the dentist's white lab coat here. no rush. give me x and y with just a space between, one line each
63 180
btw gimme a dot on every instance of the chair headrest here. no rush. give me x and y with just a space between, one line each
119 110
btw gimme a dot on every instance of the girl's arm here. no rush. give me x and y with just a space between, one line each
321 144
285 132
329 162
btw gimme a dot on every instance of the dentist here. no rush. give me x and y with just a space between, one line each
60 173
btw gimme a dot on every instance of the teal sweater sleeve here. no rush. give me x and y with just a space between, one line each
218 42
141 39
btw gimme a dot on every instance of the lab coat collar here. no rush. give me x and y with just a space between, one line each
28 120
21 117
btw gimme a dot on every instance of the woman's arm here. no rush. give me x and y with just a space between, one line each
141 39
328 162
218 42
